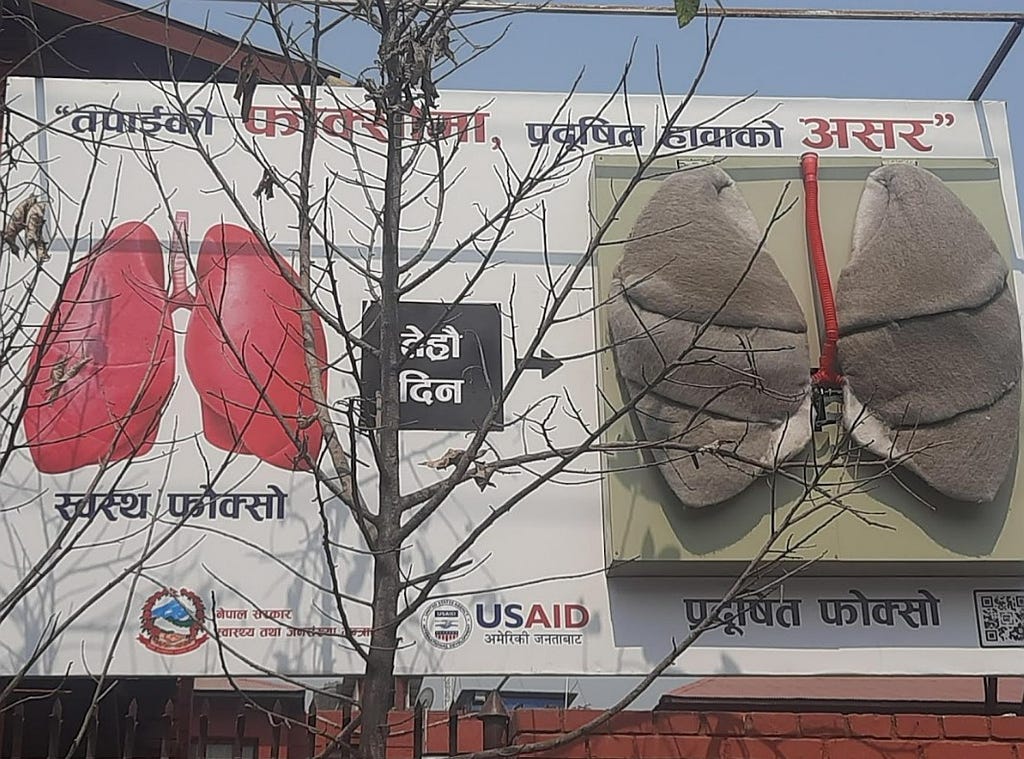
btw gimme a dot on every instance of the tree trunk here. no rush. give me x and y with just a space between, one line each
380 666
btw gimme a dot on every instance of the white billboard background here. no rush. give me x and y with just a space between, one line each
536 600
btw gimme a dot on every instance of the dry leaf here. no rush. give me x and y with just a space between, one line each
34 230
61 372
245 87
16 222
266 185
449 459
482 476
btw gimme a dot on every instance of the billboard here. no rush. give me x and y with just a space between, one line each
194 323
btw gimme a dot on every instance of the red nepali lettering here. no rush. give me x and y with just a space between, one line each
876 135
463 126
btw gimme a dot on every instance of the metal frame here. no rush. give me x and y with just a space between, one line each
787 14
997 60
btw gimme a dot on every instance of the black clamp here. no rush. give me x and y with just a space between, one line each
821 397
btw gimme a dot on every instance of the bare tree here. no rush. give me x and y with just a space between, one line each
396 245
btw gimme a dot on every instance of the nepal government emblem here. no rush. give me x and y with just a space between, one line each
172 622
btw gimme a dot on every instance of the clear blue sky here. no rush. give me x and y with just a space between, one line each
773 58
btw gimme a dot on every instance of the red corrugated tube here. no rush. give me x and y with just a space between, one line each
828 374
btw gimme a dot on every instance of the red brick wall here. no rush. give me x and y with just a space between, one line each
711 735
733 735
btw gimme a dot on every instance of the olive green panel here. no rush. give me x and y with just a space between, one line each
900 526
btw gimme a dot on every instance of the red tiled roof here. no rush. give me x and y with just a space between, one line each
141 24
920 689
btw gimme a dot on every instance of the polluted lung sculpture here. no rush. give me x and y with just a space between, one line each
744 392
929 337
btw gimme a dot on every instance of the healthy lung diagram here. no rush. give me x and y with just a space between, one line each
103 367
104 358
245 354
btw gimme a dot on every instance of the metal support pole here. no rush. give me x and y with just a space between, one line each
991 693
997 60
453 730
419 719
788 14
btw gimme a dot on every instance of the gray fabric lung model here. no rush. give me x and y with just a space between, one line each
929 337
739 387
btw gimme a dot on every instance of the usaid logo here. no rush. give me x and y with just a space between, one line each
556 616
446 624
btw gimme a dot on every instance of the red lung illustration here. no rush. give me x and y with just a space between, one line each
244 352
104 357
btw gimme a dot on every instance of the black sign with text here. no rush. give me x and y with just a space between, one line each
451 374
